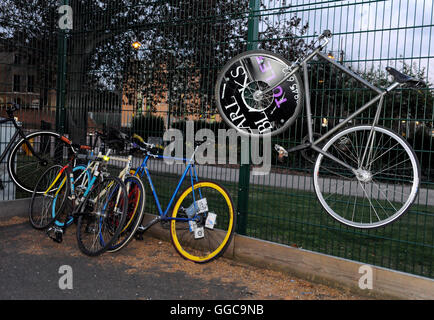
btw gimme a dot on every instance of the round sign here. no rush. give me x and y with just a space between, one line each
251 96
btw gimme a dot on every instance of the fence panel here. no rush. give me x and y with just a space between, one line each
28 70
145 66
368 36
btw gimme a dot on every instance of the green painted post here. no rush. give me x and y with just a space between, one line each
61 78
253 25
244 175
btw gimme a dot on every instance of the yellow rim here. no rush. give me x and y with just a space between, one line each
173 223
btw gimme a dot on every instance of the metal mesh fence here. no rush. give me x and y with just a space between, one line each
145 66
28 73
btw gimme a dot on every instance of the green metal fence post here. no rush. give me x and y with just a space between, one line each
244 175
61 78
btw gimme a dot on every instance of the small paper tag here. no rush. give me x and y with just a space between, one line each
199 232
202 205
210 220
192 225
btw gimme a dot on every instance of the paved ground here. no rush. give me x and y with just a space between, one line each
148 269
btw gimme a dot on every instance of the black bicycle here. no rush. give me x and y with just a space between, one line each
29 155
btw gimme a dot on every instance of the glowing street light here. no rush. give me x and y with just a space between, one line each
136 45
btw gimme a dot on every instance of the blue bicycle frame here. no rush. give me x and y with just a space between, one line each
190 168
91 179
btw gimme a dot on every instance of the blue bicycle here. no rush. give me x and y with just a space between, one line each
202 220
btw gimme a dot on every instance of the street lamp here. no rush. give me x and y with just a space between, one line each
136 45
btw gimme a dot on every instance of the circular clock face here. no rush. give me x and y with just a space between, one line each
253 99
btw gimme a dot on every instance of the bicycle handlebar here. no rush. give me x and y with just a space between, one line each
323 39
11 108
98 157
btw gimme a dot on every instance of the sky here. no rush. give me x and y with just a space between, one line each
370 32
378 32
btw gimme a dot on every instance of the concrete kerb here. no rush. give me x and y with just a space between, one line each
14 208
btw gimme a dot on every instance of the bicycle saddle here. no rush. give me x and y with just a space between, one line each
403 78
11 108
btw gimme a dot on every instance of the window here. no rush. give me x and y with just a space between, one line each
17 82
32 60
17 59
30 83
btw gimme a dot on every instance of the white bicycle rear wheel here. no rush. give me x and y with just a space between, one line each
383 185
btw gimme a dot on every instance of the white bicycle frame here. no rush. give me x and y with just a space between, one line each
313 144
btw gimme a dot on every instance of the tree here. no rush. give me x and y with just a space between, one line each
30 28
184 45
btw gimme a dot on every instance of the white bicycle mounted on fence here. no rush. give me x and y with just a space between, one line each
365 176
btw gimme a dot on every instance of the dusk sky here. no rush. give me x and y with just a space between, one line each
374 31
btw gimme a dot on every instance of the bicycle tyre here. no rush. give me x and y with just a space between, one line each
23 166
98 225
53 199
136 206
215 241
369 196
240 107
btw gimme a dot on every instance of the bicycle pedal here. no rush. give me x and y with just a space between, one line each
57 236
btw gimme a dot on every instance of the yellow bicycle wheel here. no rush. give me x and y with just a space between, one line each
203 222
